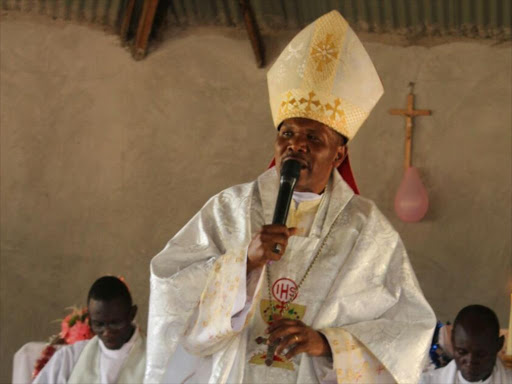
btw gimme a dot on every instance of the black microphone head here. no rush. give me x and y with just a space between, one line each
291 169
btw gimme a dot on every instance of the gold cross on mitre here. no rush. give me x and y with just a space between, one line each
409 114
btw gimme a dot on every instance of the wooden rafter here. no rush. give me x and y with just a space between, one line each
144 29
253 32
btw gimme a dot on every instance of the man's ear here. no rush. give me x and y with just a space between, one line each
133 312
341 153
501 341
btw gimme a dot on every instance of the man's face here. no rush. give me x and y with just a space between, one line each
475 349
112 321
316 146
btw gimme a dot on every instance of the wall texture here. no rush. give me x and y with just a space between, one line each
103 159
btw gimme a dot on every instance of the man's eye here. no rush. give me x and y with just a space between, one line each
313 138
461 351
287 134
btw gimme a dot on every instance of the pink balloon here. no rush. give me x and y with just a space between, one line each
411 200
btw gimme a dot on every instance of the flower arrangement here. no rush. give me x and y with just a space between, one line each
74 327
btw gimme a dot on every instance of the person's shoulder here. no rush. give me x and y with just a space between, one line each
72 350
358 205
431 377
238 189
66 355
439 375
363 204
503 370
367 208
233 194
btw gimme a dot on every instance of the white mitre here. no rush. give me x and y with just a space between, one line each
325 74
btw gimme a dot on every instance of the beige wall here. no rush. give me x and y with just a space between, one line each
103 159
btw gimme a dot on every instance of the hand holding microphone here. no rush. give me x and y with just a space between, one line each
270 242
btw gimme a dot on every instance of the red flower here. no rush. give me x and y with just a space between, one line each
74 327
45 357
64 326
79 331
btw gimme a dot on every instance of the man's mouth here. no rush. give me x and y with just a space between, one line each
110 342
303 162
472 373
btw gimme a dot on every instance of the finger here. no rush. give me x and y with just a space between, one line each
277 249
269 257
287 342
298 348
278 229
274 228
272 238
271 246
284 323
273 256
293 231
283 332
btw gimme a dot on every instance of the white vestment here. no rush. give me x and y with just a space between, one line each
90 361
451 375
361 293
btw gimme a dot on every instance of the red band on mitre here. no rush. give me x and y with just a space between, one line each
344 170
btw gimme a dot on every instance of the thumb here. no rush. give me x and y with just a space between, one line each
292 231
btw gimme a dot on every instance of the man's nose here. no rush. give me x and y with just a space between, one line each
472 360
297 143
107 331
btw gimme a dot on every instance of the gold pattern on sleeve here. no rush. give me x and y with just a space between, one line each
353 363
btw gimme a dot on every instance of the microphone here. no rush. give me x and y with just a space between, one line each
290 173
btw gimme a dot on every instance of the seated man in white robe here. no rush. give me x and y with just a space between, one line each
333 291
115 355
476 342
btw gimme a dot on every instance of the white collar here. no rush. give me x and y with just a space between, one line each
299 197
462 380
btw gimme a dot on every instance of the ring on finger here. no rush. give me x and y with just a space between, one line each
277 248
296 338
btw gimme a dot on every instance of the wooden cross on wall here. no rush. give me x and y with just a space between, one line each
409 114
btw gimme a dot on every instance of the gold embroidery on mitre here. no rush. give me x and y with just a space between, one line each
310 104
334 112
289 103
324 52
323 58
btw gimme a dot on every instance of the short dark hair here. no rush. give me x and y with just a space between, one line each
480 313
108 288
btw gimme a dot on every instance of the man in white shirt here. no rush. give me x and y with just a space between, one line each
476 343
117 353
